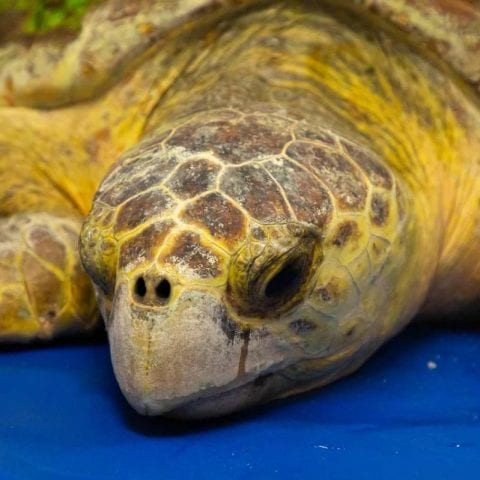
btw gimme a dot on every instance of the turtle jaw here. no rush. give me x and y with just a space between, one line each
262 388
190 359
216 402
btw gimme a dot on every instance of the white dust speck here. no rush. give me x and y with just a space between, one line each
432 365
326 447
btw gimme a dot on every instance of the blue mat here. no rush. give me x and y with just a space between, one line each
62 416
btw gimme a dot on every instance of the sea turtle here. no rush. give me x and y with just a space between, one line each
271 189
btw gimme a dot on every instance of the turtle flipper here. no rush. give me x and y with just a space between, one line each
44 292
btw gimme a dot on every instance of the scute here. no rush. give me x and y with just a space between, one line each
340 176
252 187
345 232
144 245
308 200
44 245
306 132
191 257
377 173
148 168
233 141
141 208
40 283
218 215
379 209
193 177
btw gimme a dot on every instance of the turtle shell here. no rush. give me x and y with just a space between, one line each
448 28
117 35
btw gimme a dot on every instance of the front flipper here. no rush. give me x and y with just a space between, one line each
44 291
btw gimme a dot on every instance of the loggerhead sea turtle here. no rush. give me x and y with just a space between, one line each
271 189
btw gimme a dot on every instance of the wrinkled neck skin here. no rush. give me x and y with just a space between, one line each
388 243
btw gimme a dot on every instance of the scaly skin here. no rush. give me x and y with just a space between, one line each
44 290
294 142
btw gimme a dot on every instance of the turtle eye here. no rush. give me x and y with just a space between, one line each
286 282
275 289
270 276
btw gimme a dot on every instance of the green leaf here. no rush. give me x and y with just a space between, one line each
43 16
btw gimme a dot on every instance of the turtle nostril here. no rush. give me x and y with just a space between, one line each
140 287
145 293
163 290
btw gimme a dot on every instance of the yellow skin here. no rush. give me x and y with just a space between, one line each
369 207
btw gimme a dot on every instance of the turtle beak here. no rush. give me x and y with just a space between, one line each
189 358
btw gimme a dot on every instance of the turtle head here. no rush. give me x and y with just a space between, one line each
240 258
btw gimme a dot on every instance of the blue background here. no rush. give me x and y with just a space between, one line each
62 416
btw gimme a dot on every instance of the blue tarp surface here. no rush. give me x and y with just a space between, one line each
62 416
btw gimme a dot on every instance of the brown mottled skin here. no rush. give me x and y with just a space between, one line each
273 190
